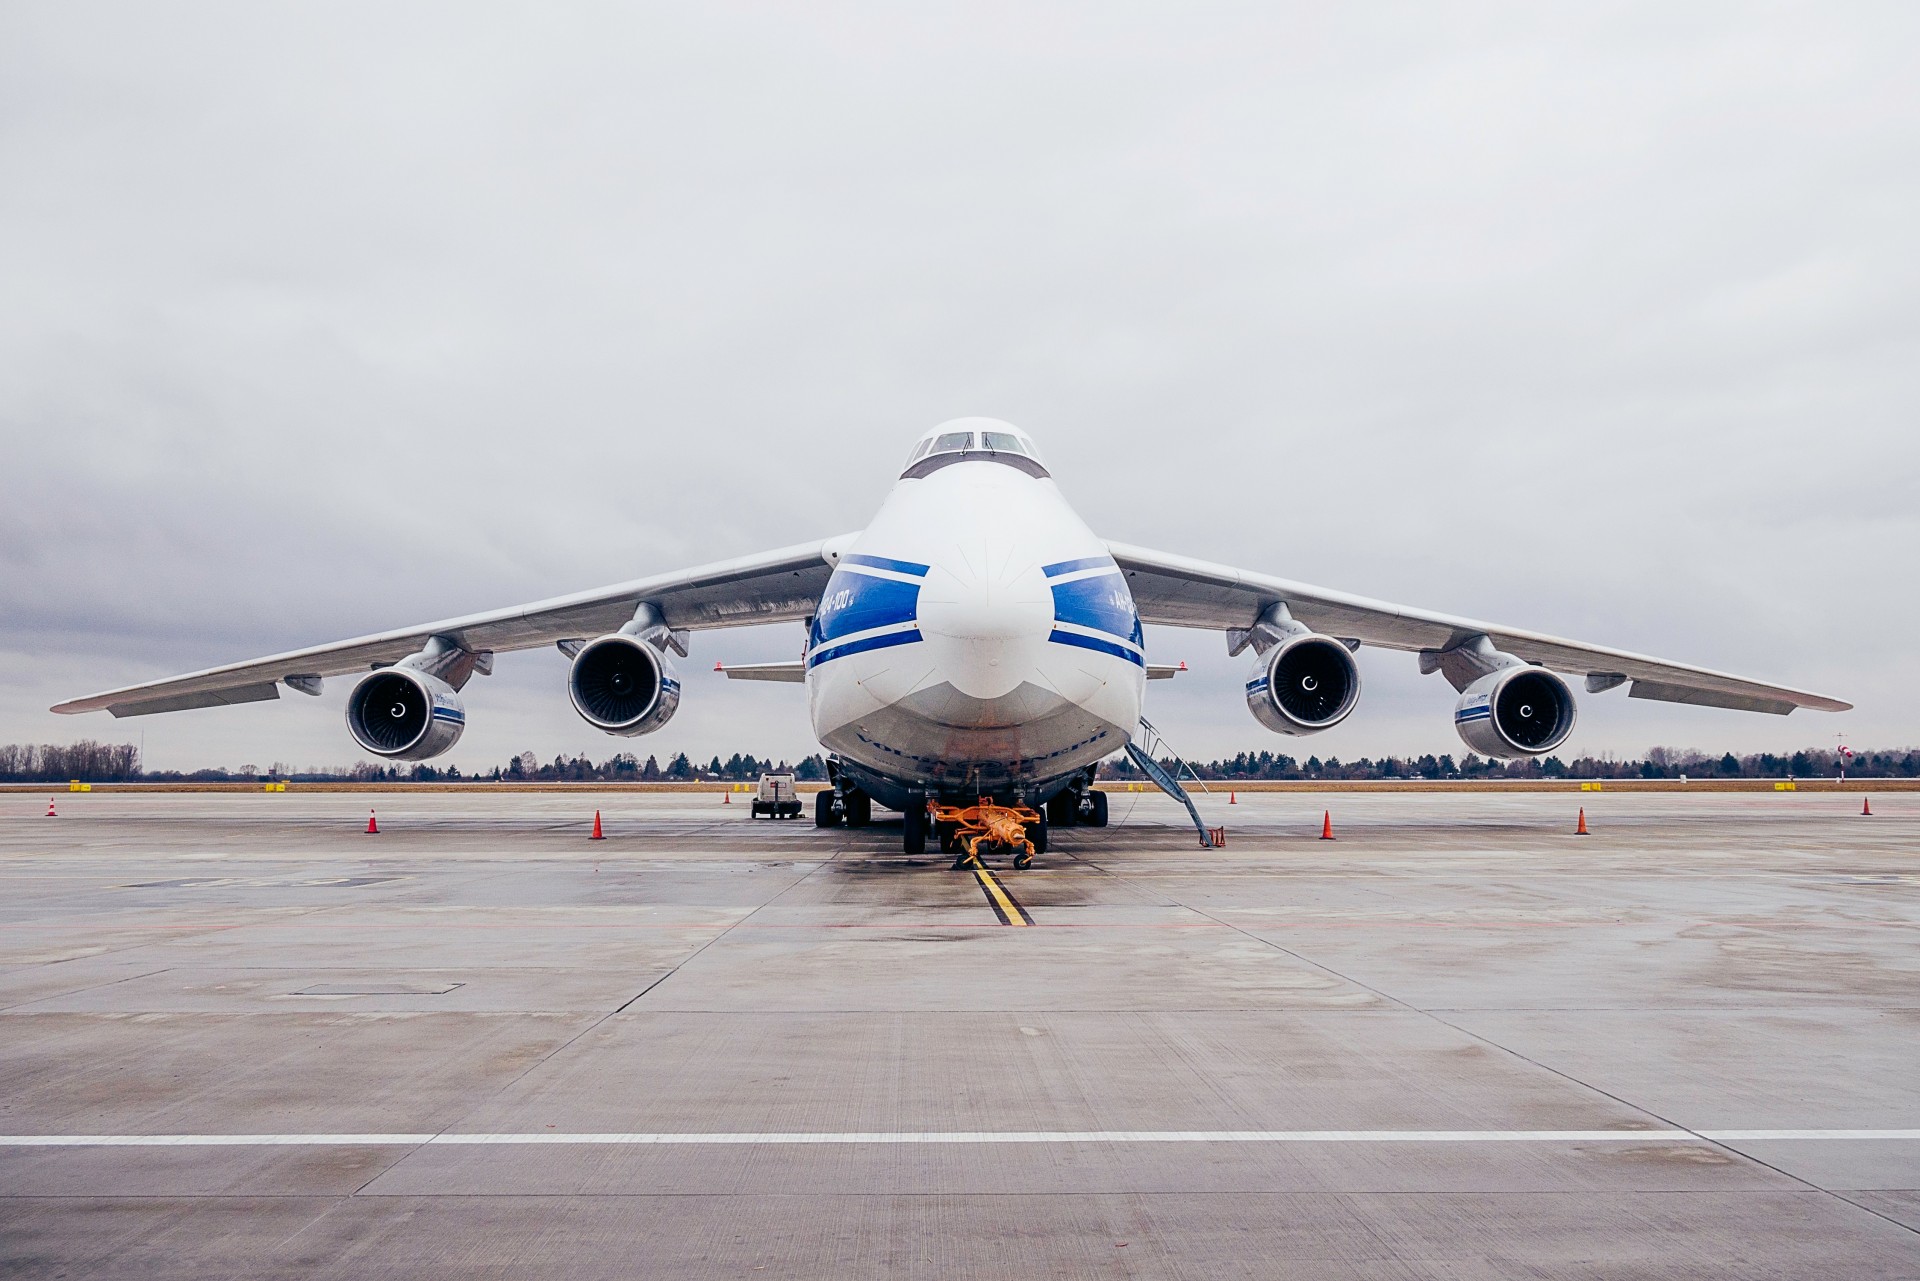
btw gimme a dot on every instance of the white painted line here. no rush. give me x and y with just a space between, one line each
209 1140
903 1137
1762 1136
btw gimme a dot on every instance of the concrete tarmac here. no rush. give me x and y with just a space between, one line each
240 1038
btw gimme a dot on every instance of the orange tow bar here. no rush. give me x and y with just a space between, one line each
994 826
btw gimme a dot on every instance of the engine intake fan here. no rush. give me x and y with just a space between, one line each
623 685
405 715
1518 711
1304 684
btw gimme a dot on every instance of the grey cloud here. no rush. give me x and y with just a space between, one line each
323 320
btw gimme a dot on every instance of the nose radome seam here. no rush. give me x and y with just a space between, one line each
966 604
976 620
989 629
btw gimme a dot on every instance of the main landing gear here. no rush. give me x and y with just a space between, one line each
964 831
1095 813
834 806
1085 807
914 822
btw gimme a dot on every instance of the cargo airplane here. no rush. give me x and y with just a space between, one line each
977 639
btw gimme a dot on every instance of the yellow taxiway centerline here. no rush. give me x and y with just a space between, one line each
1009 912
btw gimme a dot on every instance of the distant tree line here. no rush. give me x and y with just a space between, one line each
89 762
115 763
1659 762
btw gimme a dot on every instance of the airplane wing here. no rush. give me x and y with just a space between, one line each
1179 592
772 587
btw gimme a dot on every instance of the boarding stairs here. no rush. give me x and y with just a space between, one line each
1142 749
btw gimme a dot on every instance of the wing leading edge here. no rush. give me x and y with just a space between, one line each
1179 592
776 586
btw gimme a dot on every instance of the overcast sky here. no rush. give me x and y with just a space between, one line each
1598 319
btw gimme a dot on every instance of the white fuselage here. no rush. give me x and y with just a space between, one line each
977 637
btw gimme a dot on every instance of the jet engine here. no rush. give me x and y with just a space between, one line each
623 685
1516 711
1303 684
404 714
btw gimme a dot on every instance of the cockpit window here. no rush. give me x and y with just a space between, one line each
942 449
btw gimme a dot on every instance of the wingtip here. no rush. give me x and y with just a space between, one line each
1821 703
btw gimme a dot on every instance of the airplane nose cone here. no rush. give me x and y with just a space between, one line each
988 608
975 601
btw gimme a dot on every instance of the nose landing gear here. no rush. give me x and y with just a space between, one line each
986 825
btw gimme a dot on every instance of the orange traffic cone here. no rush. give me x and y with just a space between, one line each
373 828
598 835
726 797
1233 798
50 813
1866 807
1326 825
1581 830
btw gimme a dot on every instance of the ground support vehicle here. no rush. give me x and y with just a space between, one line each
776 797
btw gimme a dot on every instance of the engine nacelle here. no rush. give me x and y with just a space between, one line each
1514 712
1304 684
623 685
404 714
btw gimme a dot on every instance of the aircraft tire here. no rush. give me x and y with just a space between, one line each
1063 810
1098 815
859 809
913 824
823 815
1038 835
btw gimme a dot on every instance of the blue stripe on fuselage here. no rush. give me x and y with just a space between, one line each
1102 603
1098 645
1085 562
881 562
856 602
832 652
